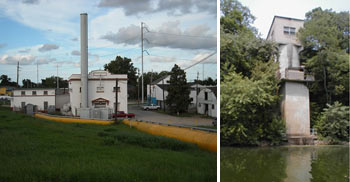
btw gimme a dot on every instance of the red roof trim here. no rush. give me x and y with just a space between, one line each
78 79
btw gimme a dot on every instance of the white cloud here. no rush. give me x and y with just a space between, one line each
48 47
169 34
162 59
22 59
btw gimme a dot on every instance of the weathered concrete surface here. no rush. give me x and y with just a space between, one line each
296 109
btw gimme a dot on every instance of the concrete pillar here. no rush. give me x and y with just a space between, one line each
84 59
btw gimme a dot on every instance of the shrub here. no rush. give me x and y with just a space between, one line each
334 123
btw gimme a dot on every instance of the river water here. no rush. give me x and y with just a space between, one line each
285 164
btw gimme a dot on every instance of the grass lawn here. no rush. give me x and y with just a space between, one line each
33 149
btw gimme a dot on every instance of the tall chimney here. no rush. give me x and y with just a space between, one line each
84 59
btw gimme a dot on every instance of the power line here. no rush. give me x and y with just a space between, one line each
185 35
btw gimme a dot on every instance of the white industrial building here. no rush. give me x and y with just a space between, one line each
207 100
41 97
295 105
101 91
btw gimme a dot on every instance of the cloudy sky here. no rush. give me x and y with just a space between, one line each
47 33
265 10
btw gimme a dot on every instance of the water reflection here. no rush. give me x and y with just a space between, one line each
285 164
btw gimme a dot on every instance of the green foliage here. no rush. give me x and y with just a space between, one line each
123 66
178 97
334 123
249 89
51 82
6 81
249 107
236 17
208 81
325 38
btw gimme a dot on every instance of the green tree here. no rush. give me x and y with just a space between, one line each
51 82
250 107
27 83
325 38
178 97
249 90
6 81
123 66
334 123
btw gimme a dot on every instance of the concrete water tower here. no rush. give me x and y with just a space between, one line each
295 104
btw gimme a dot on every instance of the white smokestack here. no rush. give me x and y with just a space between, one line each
84 59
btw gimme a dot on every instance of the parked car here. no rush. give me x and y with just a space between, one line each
151 107
122 114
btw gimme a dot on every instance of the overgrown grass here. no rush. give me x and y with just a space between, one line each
33 149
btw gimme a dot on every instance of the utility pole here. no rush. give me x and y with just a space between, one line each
138 87
116 100
142 60
197 93
163 95
203 72
37 73
57 79
17 72
150 89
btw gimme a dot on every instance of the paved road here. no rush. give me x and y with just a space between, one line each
167 119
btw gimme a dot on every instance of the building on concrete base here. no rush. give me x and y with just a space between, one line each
101 91
295 105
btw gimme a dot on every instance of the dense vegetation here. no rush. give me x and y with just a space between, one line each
178 98
249 101
325 38
34 149
249 89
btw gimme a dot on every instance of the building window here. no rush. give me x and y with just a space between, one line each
114 89
80 90
23 92
100 89
289 30
33 92
205 95
45 92
213 106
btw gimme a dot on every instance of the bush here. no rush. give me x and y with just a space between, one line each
250 107
334 123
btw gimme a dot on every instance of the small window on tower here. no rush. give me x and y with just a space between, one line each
23 92
33 92
45 92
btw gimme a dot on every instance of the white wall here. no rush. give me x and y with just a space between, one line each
210 102
107 82
29 98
